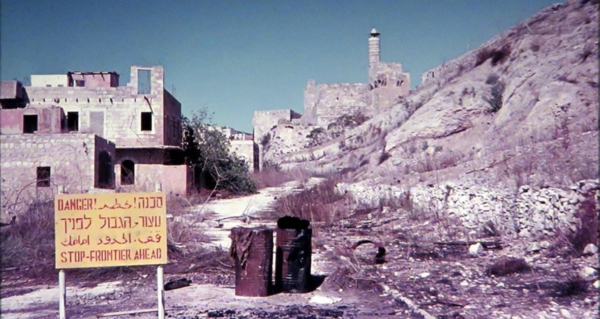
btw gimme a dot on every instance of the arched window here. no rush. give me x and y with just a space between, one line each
127 172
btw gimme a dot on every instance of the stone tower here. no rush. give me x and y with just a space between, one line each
373 48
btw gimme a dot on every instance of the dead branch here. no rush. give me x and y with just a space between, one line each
494 163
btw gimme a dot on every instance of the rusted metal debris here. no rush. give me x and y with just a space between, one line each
293 255
252 250
380 256
179 283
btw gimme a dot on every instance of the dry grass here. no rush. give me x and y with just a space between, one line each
28 246
318 204
29 243
271 176
507 266
587 232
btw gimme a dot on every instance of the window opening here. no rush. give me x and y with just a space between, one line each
143 81
146 121
80 83
127 172
30 124
73 121
43 176
105 172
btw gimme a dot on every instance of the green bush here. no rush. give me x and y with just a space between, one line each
207 151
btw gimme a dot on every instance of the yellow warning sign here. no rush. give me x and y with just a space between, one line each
105 230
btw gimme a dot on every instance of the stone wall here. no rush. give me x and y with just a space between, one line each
174 179
532 213
264 121
324 103
73 160
49 120
247 150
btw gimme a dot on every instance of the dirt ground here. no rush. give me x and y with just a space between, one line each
419 278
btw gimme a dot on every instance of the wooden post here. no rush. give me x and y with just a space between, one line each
160 291
160 286
62 299
62 286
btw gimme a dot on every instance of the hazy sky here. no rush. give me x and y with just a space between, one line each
235 57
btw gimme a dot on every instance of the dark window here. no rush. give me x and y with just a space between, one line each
105 170
143 81
30 124
80 83
73 121
48 85
43 176
127 173
146 121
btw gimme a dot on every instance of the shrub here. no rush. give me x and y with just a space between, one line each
507 266
265 139
499 56
384 157
316 136
573 286
492 79
29 242
317 204
495 99
208 151
271 175
587 51
482 56
587 233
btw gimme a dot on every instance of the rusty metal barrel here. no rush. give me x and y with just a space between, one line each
252 251
293 255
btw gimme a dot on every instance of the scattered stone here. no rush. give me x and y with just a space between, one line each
322 300
590 249
534 247
475 249
545 244
565 313
596 284
588 272
424 275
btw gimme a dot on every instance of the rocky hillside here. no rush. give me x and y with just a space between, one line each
521 109
529 93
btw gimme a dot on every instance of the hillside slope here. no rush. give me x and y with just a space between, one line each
544 132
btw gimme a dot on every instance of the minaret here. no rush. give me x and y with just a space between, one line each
373 48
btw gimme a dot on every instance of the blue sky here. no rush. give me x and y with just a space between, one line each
235 57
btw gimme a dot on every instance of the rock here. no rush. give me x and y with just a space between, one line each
322 300
214 224
544 244
596 284
424 275
475 249
534 247
588 272
590 249
565 313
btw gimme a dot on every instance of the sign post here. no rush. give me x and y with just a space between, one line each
107 230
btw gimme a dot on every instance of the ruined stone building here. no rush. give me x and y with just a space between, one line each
323 103
85 133
242 145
